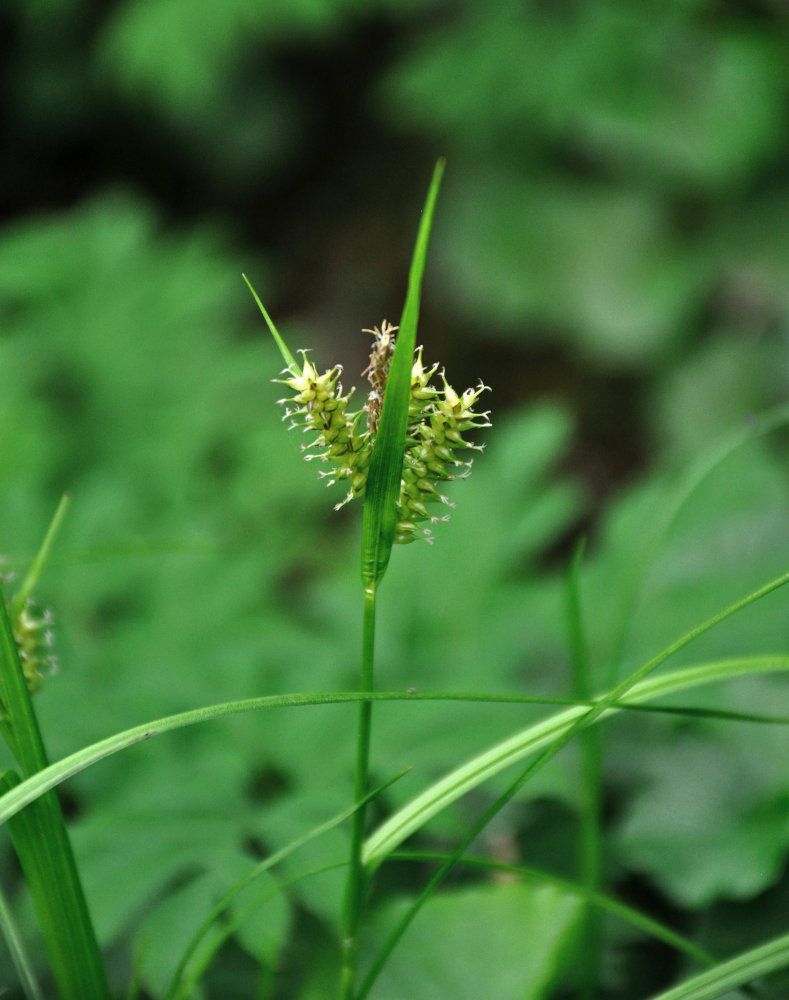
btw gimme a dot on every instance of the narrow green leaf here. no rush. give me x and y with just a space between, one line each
737 971
555 744
29 583
34 787
13 939
590 837
484 766
379 518
657 531
42 844
290 361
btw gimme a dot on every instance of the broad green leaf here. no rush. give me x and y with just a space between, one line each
687 800
505 941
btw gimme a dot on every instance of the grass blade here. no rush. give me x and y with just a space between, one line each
42 844
290 361
556 743
42 556
737 971
590 848
379 518
543 734
8 928
657 531
518 745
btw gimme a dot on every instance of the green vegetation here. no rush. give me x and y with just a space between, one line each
540 808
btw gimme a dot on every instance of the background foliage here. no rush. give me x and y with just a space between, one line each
610 255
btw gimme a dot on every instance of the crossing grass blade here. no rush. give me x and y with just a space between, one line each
33 788
539 736
557 740
735 972
379 519
30 789
657 532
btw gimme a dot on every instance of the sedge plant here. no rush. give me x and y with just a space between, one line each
396 461
394 452
406 447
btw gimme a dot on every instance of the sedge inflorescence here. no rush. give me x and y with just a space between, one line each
438 420
34 638
33 635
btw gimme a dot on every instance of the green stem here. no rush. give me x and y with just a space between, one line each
356 882
589 807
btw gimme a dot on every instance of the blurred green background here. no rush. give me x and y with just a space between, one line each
610 254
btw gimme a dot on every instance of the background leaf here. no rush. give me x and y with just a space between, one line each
442 951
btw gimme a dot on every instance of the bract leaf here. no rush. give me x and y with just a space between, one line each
379 519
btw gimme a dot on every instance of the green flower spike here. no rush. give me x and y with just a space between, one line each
438 419
32 629
319 406
34 638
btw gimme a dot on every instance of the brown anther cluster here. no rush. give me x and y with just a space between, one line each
378 371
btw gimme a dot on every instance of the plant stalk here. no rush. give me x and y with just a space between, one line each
356 883
590 805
